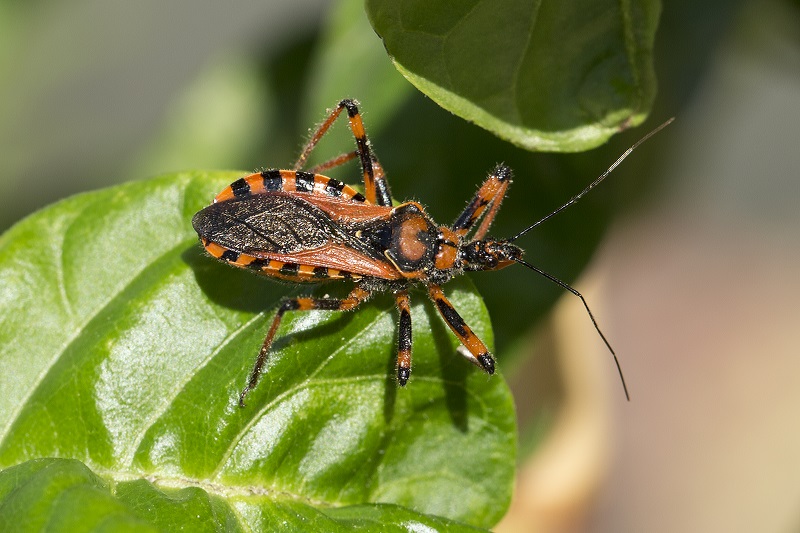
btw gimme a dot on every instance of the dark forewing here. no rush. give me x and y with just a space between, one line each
276 222
301 228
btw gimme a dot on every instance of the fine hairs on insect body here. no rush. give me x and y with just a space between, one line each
303 227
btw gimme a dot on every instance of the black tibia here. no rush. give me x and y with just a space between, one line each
376 187
471 342
403 338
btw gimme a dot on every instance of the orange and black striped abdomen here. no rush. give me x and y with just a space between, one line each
283 270
288 181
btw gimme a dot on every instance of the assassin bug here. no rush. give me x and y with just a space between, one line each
300 226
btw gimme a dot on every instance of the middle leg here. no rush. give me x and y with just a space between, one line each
475 346
356 297
403 338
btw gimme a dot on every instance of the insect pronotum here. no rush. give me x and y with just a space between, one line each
301 226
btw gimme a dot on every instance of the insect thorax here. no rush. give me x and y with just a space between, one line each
419 249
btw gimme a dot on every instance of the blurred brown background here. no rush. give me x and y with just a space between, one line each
700 287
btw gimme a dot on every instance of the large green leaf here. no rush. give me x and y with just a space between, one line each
64 495
544 75
124 346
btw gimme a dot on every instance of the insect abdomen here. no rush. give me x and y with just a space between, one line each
288 181
284 270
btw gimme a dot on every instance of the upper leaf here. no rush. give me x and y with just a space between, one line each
544 75
125 346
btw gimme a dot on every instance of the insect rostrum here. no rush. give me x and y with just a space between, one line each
301 226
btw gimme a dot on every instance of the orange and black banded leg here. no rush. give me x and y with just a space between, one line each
332 163
403 338
376 188
377 169
491 192
475 346
356 297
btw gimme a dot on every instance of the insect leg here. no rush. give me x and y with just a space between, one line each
356 297
376 188
331 163
381 185
471 342
491 194
403 338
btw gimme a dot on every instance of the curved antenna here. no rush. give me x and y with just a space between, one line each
586 305
596 182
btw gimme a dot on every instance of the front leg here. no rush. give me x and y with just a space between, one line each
475 346
490 195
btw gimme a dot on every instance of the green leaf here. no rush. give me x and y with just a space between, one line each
544 75
64 495
125 347
61 495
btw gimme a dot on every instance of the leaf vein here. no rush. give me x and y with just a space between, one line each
257 416
78 331
169 399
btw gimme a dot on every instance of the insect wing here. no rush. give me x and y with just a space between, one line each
264 223
301 228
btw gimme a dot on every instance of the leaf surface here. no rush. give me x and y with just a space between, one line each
125 347
544 75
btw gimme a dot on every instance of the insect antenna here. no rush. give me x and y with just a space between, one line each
571 201
586 305
595 183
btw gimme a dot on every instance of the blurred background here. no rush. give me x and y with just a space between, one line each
692 247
